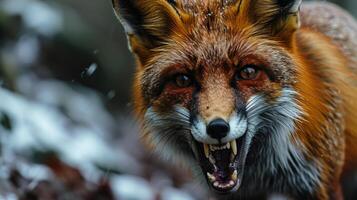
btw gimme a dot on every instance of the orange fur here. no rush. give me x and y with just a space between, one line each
248 31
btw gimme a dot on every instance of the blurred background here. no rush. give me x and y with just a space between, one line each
66 127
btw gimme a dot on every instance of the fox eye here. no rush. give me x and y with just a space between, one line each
248 72
183 81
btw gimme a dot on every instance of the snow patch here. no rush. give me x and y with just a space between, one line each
132 187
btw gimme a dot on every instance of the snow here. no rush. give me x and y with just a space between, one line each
42 127
175 194
37 15
8 197
27 49
132 188
111 94
50 116
89 71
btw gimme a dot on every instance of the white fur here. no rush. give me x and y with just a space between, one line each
280 120
199 132
296 6
281 151
165 135
238 126
127 28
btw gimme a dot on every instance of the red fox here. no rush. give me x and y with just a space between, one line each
257 96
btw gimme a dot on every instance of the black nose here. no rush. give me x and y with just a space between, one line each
218 129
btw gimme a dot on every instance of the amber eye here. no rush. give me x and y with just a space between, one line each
248 72
183 81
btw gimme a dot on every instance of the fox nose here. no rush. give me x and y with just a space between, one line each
218 129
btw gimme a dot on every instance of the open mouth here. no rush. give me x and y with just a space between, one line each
222 164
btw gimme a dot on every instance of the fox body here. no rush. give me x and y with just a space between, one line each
257 96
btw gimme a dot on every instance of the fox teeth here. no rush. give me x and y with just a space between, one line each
231 183
234 147
211 159
215 147
232 157
235 175
228 145
206 149
211 177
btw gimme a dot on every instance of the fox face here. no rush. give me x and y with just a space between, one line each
216 86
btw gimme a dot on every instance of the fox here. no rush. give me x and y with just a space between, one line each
257 97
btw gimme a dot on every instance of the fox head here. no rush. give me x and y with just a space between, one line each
215 82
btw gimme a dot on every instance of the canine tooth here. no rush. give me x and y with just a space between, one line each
235 175
228 145
206 149
211 177
224 147
211 159
216 184
215 168
232 157
234 147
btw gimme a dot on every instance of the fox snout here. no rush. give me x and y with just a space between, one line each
219 130
220 116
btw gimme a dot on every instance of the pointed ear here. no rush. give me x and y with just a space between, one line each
278 17
147 23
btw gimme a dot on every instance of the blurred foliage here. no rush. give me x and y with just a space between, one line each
89 33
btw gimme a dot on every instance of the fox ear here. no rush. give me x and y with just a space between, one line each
278 17
147 23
